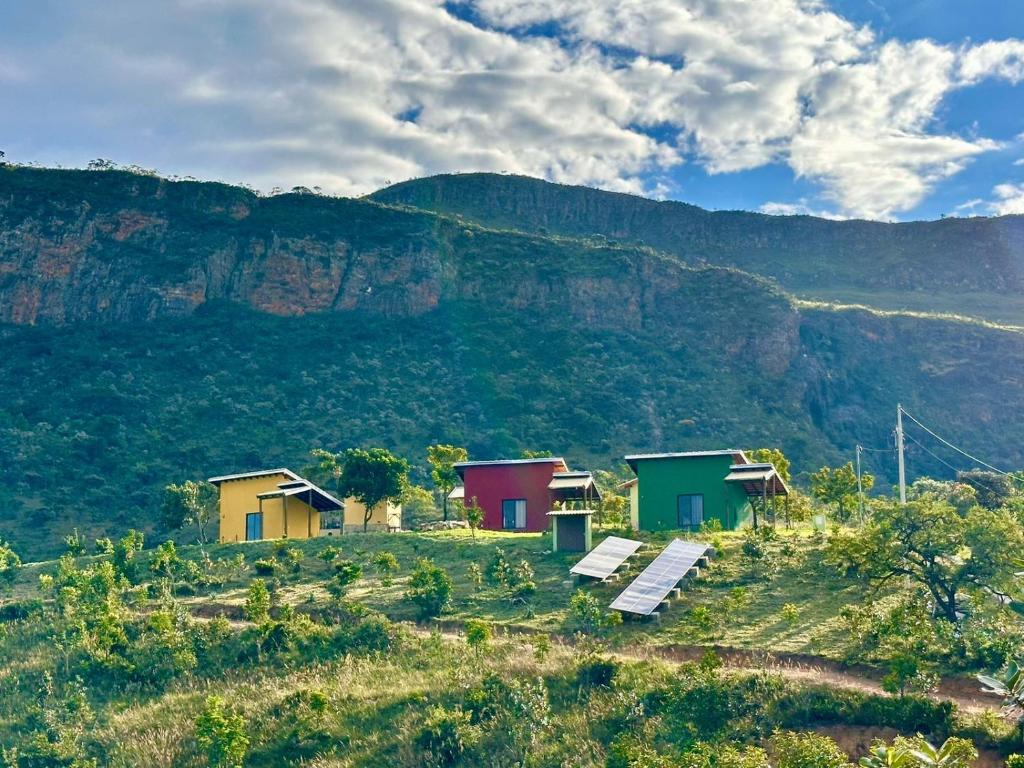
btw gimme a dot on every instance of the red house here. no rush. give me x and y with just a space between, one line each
517 494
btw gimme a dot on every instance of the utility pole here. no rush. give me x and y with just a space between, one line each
899 450
860 487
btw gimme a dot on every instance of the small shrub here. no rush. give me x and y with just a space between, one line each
475 576
221 734
790 613
386 565
10 564
430 588
267 567
346 573
445 737
257 602
74 543
807 750
478 634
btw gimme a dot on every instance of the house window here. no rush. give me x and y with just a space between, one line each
513 514
691 510
254 526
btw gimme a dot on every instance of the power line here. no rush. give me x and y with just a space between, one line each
988 488
955 448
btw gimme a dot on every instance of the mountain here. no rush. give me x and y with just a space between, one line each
154 331
932 265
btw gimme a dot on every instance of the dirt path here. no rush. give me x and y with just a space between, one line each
965 692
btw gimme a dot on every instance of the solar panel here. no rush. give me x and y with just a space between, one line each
659 578
604 559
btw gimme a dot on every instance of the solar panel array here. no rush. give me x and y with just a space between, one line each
604 559
659 578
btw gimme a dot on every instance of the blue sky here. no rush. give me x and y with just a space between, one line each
851 108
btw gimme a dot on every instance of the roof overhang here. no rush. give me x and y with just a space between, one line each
573 485
738 456
248 475
758 479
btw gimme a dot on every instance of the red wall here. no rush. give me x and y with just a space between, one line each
493 484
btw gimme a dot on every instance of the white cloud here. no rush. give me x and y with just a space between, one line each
350 94
802 208
1009 199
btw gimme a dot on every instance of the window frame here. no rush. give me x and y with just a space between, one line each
691 526
515 513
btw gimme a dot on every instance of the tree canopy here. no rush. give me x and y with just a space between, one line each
839 487
442 459
373 476
929 542
190 503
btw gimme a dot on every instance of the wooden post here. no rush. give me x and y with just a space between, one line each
284 506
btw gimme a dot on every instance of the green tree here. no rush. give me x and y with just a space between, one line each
773 456
10 564
221 734
430 588
528 454
442 460
929 542
478 634
839 487
125 551
993 490
373 477
419 505
257 602
474 516
189 503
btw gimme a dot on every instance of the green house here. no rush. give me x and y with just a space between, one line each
683 490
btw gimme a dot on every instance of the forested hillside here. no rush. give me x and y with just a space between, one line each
156 331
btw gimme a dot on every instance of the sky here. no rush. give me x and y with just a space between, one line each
882 109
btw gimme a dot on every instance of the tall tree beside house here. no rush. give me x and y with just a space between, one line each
373 477
325 470
189 503
839 487
442 459
773 456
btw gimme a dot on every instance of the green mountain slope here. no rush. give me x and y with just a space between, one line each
155 331
917 265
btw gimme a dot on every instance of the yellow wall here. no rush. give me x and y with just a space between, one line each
634 506
238 498
385 516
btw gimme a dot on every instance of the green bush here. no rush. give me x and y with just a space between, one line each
257 602
445 737
807 750
267 567
430 588
10 564
221 735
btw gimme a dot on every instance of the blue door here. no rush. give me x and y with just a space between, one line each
254 526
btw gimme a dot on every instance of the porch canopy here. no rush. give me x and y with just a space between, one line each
307 492
573 486
757 480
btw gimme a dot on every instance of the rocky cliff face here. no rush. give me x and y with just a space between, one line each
801 252
80 246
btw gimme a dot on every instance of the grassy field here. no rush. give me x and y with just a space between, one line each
343 691
735 603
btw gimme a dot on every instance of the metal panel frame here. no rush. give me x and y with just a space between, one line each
646 592
604 559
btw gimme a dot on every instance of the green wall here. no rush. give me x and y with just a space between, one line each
663 480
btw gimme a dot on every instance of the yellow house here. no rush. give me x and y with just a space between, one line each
386 517
271 504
